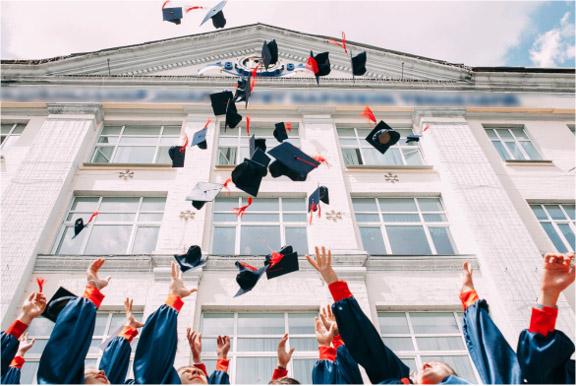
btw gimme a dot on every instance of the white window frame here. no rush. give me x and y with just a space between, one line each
556 222
135 224
15 125
422 222
158 145
238 222
516 141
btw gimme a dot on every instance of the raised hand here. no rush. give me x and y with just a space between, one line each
195 342
92 274
177 287
323 264
467 282
25 344
130 319
328 319
284 356
324 336
33 307
223 346
558 274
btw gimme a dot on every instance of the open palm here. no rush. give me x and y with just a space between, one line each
559 272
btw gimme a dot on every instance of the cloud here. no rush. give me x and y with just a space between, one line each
556 46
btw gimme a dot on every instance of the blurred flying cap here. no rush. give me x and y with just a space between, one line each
79 224
261 158
291 162
219 101
280 131
57 303
177 156
247 176
216 15
232 116
257 143
173 15
269 53
282 263
359 64
320 194
319 64
382 137
200 138
202 193
413 138
243 90
248 277
191 259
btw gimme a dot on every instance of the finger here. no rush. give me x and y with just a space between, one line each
31 297
108 278
173 273
312 262
291 352
32 341
330 314
317 251
329 257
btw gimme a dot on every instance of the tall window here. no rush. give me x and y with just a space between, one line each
107 325
403 226
254 337
124 225
267 225
558 222
233 144
135 144
418 337
9 133
512 143
357 151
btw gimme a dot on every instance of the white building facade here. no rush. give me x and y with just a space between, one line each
491 181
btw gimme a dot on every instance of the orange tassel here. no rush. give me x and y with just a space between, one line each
40 282
226 182
193 8
288 126
241 210
94 214
312 65
247 125
183 147
369 114
321 159
164 4
207 123
253 79
248 266
276 258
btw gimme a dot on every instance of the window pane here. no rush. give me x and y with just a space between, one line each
372 240
150 217
153 204
304 344
298 238
556 240
430 204
28 375
433 322
514 150
301 323
364 205
223 241
162 156
142 130
408 240
171 130
69 246
209 345
568 234
294 217
351 156
501 150
227 156
225 217
109 140
436 217
146 238
401 217
555 212
259 240
265 204
226 204
260 324
214 323
367 217
38 347
412 156
410 362
505 134
254 370
442 241
111 130
530 150
40 327
113 217
393 323
260 217
140 141
257 344
519 133
303 370
539 212
102 154
134 154
119 204
398 344
460 364
372 157
294 204
101 323
346 132
441 343
85 204
398 205
108 239
391 157
570 209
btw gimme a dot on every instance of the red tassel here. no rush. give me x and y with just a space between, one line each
226 182
276 258
207 123
253 79
288 126
40 282
306 161
426 127
248 266
193 8
241 210
369 114
344 42
183 147
94 214
321 159
247 125
164 4
310 220
312 65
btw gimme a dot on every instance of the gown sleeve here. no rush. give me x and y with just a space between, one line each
220 375
335 367
116 357
12 376
9 343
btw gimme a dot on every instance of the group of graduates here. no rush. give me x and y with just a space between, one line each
346 339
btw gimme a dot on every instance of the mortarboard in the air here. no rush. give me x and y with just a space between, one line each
383 132
257 143
269 53
359 64
319 64
191 259
248 175
243 91
232 116
248 277
216 15
291 162
282 262
413 138
200 138
280 131
319 195
173 15
202 193
219 101
57 303
79 224
177 156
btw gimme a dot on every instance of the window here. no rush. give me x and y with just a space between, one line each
9 133
572 128
135 144
108 324
254 337
403 226
124 225
233 144
512 143
357 151
268 224
418 337
558 222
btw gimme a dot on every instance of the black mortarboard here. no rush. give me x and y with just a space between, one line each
216 15
200 138
78 226
219 101
413 138
177 156
243 91
323 64
259 156
383 129
202 193
173 15
280 132
284 265
257 143
247 176
291 162
248 277
57 303
359 64
269 53
320 194
232 116
191 259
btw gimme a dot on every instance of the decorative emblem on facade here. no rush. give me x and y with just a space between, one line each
187 215
391 177
126 174
334 216
244 66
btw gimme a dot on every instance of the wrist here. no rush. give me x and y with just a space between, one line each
223 356
25 318
281 365
329 276
548 298
196 358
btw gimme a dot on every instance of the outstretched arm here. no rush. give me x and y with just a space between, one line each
12 376
220 375
284 357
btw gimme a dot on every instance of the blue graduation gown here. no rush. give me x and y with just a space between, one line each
342 371
12 376
116 360
9 344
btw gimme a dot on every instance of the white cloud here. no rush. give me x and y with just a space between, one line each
555 46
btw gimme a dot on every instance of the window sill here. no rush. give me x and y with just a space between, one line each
92 166
390 167
224 167
529 162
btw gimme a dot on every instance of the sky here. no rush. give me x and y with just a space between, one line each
474 33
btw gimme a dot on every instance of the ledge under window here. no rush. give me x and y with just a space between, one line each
390 167
529 162
87 165
224 167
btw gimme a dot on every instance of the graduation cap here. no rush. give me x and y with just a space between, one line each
359 64
282 262
319 195
173 15
191 259
248 175
243 90
281 131
232 116
202 193
216 15
382 137
257 143
291 162
200 138
177 156
319 64
248 277
219 101
57 303
413 138
269 53
79 224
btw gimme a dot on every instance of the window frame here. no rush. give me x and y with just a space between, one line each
555 222
510 128
15 125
